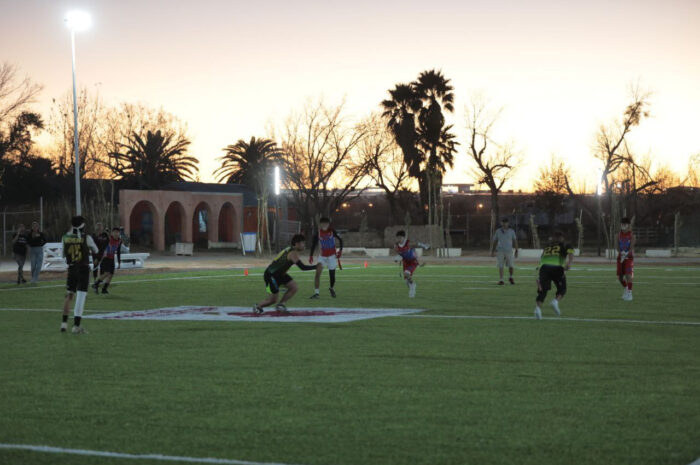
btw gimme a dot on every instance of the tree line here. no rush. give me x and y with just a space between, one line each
327 156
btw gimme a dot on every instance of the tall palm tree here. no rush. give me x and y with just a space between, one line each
250 163
154 161
400 112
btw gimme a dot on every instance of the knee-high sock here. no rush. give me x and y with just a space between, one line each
79 303
331 273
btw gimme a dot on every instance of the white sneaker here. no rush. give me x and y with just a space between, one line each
624 294
628 296
555 306
64 327
281 308
78 330
538 313
412 290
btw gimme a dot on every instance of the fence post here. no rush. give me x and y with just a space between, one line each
4 231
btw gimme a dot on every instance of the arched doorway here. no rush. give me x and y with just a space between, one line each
226 219
200 225
174 224
143 223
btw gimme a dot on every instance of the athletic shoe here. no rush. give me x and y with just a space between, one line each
257 309
628 296
538 313
555 306
501 283
78 330
332 291
96 287
412 290
510 280
64 327
315 296
104 291
281 308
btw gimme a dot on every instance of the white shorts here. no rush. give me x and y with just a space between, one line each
505 258
329 262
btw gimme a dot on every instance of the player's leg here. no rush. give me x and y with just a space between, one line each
106 281
332 265
80 296
292 289
509 259
560 283
621 277
95 267
273 290
500 257
544 283
317 278
629 277
66 310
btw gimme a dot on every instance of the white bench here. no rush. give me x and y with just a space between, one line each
54 260
659 253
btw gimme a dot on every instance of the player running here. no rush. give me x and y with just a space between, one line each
107 263
329 257
409 259
101 238
276 275
76 249
625 257
556 259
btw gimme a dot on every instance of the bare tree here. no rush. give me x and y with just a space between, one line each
91 116
322 165
493 164
386 165
16 93
550 188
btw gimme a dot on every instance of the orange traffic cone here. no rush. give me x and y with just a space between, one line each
366 264
245 272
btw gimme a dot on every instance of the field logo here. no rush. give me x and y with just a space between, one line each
295 315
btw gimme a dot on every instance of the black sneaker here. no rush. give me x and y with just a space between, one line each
315 296
332 291
501 283
104 291
257 309
510 280
96 287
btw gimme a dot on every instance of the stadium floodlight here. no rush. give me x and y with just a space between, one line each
76 21
277 180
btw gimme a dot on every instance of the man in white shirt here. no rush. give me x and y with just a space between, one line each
504 241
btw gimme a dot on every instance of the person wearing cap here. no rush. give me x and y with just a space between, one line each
77 246
503 243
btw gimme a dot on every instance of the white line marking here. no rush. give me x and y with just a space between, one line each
592 320
120 455
697 462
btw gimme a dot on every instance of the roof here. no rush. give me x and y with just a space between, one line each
250 199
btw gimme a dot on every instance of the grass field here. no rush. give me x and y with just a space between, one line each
422 389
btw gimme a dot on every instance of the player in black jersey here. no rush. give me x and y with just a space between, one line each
276 275
77 247
101 238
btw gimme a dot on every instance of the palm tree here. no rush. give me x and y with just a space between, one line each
250 163
154 161
400 112
434 137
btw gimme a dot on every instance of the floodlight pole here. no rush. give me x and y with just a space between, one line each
277 207
78 209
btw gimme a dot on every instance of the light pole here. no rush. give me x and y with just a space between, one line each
277 207
76 21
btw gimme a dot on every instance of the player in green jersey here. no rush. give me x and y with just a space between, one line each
556 259
276 275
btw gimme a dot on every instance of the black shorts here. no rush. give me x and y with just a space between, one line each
274 281
78 278
107 265
552 274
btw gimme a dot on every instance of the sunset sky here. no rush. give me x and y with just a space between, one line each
229 68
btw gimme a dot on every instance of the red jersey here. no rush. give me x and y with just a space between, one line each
624 243
327 241
407 252
112 248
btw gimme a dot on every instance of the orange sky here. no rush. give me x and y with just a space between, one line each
228 68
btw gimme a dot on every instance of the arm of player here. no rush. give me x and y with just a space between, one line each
91 244
515 244
340 243
119 254
569 259
632 242
294 258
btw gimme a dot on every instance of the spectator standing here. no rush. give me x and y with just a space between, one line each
36 241
19 250
504 241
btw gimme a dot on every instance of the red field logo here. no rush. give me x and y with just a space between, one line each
295 315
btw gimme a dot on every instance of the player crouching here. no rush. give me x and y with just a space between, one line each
106 265
625 258
409 259
276 275
76 249
555 261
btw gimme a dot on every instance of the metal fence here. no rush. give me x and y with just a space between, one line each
13 218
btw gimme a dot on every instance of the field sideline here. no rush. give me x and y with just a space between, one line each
473 378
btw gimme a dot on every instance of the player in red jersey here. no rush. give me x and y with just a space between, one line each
112 249
625 257
409 259
328 239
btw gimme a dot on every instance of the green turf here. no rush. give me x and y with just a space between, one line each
395 390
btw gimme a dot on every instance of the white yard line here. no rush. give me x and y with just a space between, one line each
121 455
587 320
